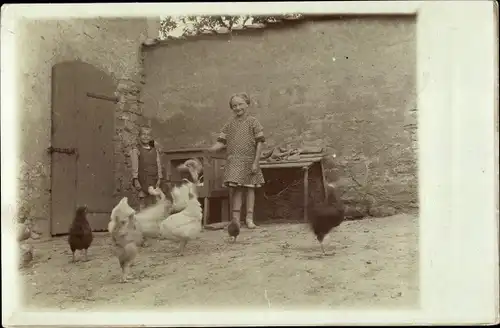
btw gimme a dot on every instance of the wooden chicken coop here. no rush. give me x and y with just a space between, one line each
215 198
304 164
295 178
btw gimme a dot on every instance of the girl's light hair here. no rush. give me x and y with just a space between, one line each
242 95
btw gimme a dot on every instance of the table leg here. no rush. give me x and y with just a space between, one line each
206 210
225 211
306 192
323 181
230 200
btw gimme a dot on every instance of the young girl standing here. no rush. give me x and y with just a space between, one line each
243 137
146 166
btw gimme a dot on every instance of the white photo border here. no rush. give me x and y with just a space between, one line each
458 171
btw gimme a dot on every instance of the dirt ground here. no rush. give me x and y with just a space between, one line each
369 263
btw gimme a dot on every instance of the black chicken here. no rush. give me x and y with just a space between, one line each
80 233
233 230
324 217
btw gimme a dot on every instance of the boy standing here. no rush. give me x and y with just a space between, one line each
146 166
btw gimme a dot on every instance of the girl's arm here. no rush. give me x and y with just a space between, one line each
258 152
158 160
221 140
258 132
217 146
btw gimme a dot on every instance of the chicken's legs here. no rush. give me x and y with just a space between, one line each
182 246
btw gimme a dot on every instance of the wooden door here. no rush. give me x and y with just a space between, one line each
82 121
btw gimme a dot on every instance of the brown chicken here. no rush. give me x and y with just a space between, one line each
233 229
80 233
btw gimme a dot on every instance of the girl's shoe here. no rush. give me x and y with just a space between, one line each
250 224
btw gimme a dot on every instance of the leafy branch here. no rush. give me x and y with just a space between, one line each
196 25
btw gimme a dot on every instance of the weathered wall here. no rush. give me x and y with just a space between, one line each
348 85
112 45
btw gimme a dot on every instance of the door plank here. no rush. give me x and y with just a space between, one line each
98 221
95 182
63 192
63 168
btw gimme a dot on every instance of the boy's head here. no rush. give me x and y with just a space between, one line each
145 135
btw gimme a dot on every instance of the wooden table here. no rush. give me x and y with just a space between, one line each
305 163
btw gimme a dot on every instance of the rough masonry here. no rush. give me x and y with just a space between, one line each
111 45
348 85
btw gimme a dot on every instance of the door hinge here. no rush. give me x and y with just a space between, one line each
69 151
102 97
97 211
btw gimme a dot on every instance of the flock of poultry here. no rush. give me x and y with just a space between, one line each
178 219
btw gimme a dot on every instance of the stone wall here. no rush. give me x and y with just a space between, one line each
347 85
112 45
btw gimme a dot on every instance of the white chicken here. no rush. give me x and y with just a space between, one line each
186 224
125 237
149 219
157 221
170 207
122 212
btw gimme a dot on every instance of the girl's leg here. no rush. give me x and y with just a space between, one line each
250 207
236 204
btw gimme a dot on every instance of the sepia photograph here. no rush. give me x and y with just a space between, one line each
269 159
